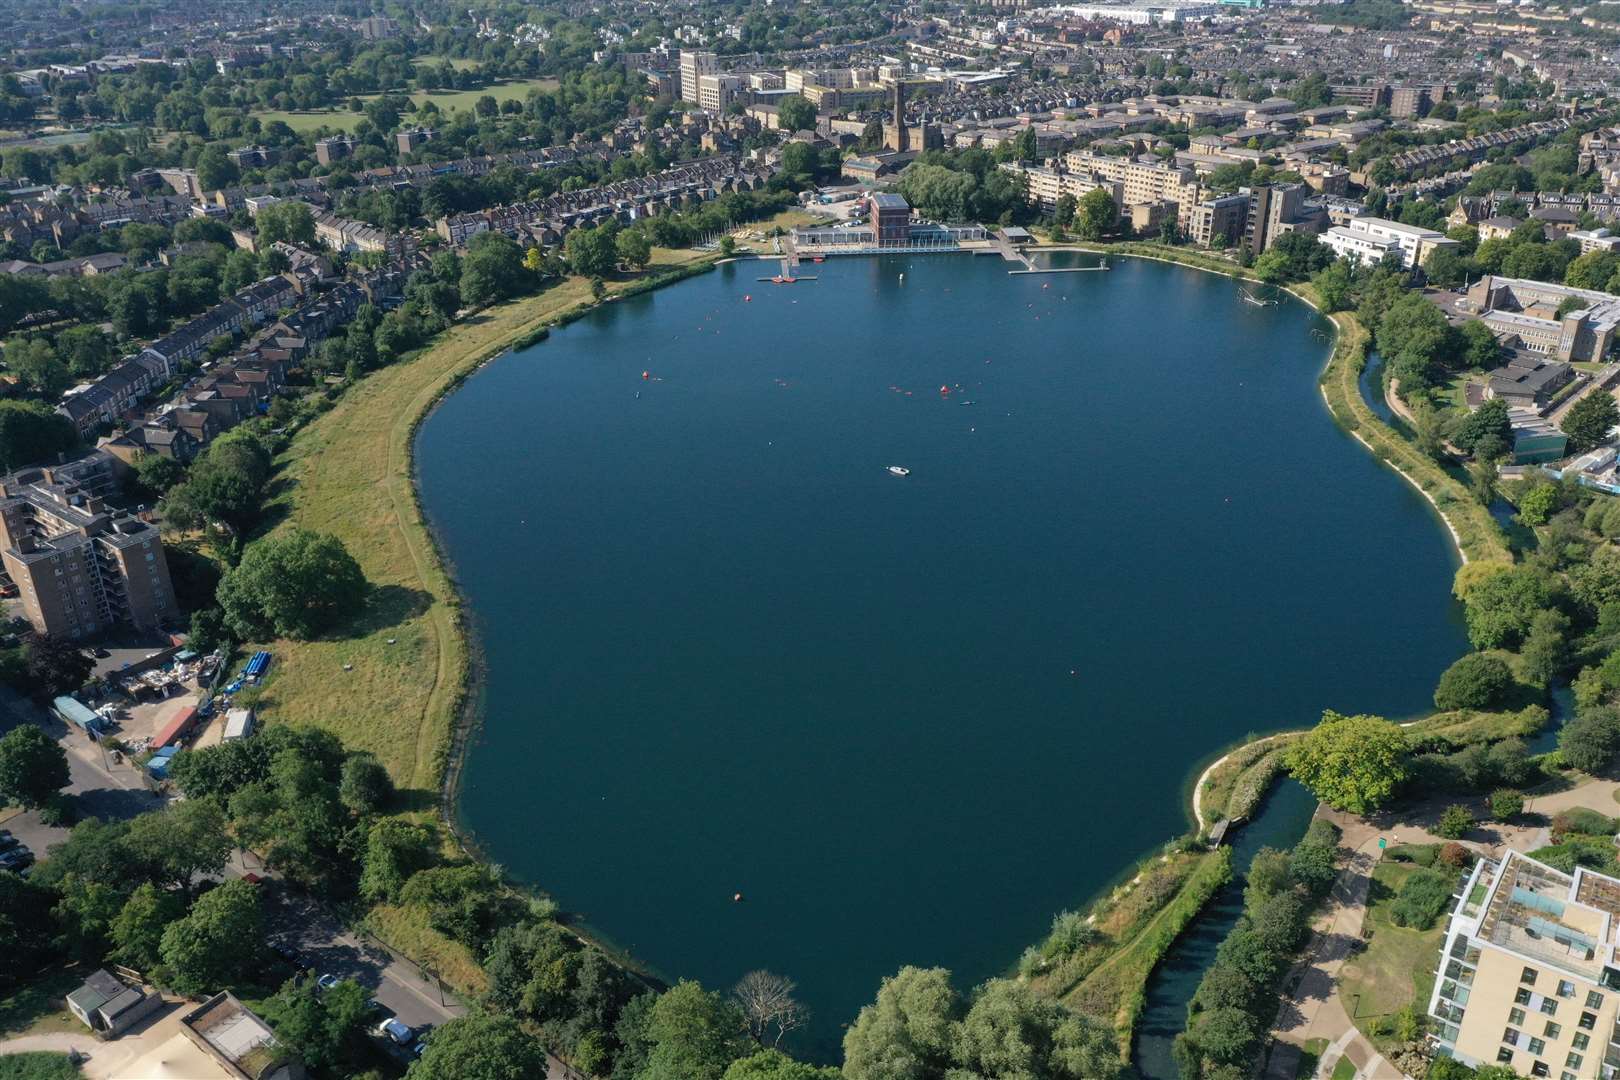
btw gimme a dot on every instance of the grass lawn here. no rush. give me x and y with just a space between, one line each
460 63
38 1008
1309 1056
1397 967
1344 1070
348 473
39 1065
407 929
446 100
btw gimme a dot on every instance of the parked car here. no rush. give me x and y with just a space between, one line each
327 982
7 841
396 1031
422 1042
18 858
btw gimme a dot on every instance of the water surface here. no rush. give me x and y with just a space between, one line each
907 718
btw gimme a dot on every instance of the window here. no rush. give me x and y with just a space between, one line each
1528 976
1549 1006
1521 997
1553 1030
1539 1068
1567 1075
1581 1041
1588 1021
1510 1037
1594 1000
1505 1056
1566 988
1516 1016
1537 1047
1574 1061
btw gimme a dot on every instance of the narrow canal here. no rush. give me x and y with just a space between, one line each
1280 822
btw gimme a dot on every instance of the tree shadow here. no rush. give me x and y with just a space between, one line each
114 803
412 800
388 605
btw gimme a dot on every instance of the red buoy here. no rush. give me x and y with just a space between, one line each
944 389
646 374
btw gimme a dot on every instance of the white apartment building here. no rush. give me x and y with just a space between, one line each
715 92
1368 239
1595 240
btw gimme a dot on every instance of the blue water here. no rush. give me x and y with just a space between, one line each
908 718
1279 823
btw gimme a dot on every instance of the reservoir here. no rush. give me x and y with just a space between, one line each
908 718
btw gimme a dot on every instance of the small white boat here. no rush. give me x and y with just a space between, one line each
899 470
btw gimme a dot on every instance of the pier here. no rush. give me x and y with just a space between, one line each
1001 245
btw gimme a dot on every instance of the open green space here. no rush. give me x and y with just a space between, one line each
392 680
460 63
1344 1070
39 1065
1396 969
446 100
39 1007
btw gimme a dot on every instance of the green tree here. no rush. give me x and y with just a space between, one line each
366 786
492 270
907 1031
1589 421
775 1065
1594 270
800 159
694 1034
795 113
1545 653
33 767
1499 608
317 1024
1476 681
1490 420
31 431
395 849
216 943
1096 214
181 843
293 584
1012 1032
1067 207
591 252
288 220
35 363
634 249
1455 821
157 474
1481 350
1590 741
137 930
482 1046
1506 804
1352 763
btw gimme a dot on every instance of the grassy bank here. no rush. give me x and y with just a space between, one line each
1471 525
391 681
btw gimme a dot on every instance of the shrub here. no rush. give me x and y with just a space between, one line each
1585 822
1422 899
1311 861
1421 854
1455 856
1506 804
1455 822
1476 681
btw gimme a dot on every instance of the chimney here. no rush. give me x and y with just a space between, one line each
902 138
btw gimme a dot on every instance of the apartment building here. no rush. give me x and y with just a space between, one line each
716 92
79 565
1139 181
695 65
1217 222
1528 976
1367 240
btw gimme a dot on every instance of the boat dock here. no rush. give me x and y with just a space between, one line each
1001 245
